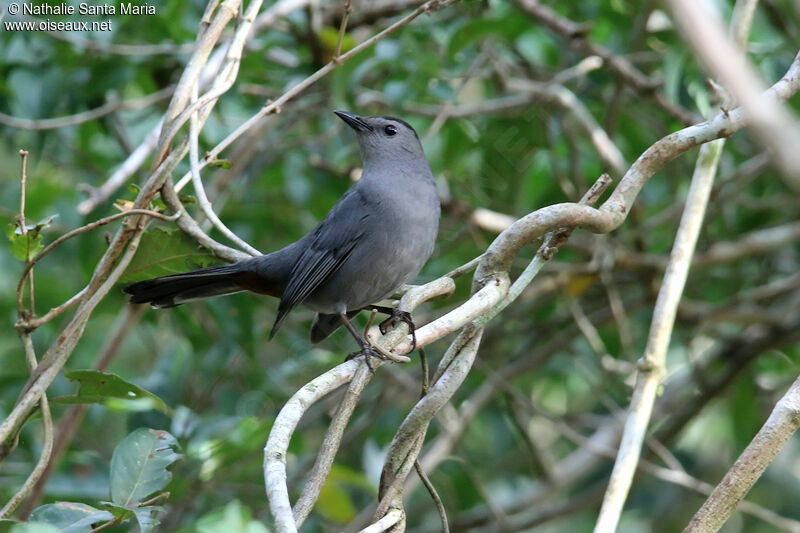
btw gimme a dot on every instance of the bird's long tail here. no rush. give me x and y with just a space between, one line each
169 291
265 274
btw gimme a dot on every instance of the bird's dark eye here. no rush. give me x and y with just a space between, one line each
390 130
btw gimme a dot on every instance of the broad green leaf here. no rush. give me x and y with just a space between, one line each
139 465
165 251
101 387
70 517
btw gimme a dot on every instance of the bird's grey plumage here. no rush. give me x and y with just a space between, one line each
374 239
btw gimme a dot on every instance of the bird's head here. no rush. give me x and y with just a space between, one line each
385 140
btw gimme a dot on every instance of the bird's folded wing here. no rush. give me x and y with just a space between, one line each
330 245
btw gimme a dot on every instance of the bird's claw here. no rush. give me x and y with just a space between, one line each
368 352
402 316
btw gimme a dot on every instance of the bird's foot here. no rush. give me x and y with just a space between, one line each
368 352
368 348
396 316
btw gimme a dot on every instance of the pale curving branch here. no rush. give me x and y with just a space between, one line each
281 432
111 266
613 212
774 125
330 445
652 366
455 366
269 17
293 410
653 362
782 423
490 289
407 441
197 182
385 523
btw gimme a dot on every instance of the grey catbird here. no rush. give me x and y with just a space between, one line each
374 239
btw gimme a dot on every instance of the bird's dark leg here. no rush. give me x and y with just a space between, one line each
395 315
366 349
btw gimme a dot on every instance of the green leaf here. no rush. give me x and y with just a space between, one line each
25 246
220 163
104 387
334 501
139 465
118 511
70 517
329 38
165 251
335 504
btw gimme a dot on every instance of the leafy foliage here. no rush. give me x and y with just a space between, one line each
104 387
138 470
139 466
164 251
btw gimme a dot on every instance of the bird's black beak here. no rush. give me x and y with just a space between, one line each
354 121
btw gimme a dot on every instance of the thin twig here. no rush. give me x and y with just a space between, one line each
277 105
23 226
86 116
435 495
47 445
437 500
78 231
200 191
466 268
342 28
30 359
